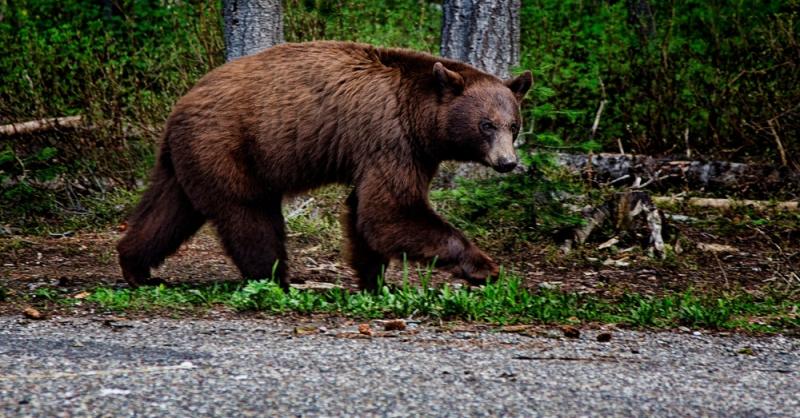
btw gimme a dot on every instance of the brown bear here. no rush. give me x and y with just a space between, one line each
298 116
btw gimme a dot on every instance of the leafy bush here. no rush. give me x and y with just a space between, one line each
725 75
121 66
528 204
392 23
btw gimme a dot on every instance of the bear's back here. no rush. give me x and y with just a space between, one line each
302 115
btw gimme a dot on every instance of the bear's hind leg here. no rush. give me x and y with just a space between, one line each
254 236
162 221
368 263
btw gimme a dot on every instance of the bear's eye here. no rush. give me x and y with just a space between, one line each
514 128
487 126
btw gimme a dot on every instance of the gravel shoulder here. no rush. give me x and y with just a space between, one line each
84 366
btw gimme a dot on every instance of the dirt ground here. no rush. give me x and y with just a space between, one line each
745 259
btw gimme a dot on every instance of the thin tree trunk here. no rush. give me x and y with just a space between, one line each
484 33
251 26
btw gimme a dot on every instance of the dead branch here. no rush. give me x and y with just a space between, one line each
686 141
702 202
41 125
596 123
752 180
778 142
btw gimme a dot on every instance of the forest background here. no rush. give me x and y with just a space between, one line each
699 79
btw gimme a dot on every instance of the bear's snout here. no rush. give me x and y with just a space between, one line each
504 165
502 156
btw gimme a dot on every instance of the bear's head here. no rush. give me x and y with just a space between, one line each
482 117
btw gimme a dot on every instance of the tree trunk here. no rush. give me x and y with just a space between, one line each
251 26
482 33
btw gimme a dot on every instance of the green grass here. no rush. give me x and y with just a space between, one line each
503 302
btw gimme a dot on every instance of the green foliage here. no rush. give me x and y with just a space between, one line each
20 176
503 302
725 71
392 23
161 296
528 203
46 293
117 65
121 66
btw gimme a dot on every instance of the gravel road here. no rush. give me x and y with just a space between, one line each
163 367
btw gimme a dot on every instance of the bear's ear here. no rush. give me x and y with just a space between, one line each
520 85
447 79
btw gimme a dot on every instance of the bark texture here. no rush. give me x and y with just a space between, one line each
251 26
484 33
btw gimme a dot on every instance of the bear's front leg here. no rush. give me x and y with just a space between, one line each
368 264
414 230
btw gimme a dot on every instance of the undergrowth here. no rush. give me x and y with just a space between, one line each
503 302
529 206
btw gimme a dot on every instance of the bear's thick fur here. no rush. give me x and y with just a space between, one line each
298 116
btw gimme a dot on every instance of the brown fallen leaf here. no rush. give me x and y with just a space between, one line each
570 331
364 329
32 313
604 337
394 325
81 295
305 330
516 328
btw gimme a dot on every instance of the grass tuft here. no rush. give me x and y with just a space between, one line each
506 301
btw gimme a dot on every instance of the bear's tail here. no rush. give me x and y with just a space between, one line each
160 223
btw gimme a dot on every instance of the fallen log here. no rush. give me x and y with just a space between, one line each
640 171
41 125
703 202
